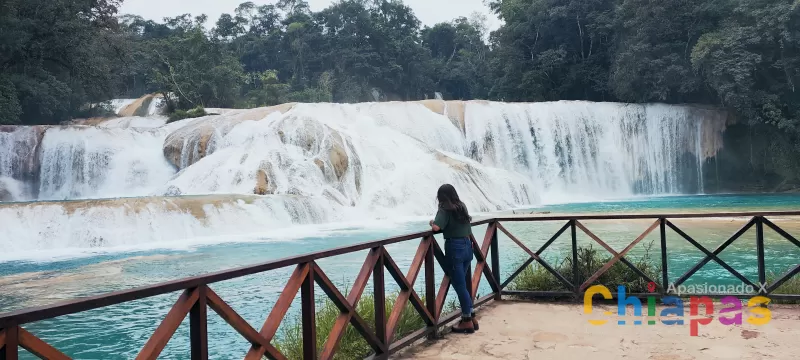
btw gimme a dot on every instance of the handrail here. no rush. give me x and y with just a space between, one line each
642 216
197 295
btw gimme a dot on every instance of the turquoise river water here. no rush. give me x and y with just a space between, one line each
118 332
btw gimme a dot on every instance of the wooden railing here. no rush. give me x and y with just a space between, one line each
198 296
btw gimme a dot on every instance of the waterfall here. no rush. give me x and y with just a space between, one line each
335 162
18 162
93 162
577 151
48 229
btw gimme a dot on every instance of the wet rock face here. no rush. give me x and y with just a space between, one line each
338 156
453 109
19 153
318 140
263 184
188 144
140 107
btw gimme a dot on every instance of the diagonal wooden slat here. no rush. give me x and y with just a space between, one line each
485 269
2 338
340 325
535 256
362 279
279 310
538 252
616 258
167 328
785 277
348 312
444 286
240 324
480 254
781 232
553 238
441 296
402 298
712 255
398 276
37 347
615 253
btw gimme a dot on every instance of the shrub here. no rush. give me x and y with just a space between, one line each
790 287
187 114
537 278
352 345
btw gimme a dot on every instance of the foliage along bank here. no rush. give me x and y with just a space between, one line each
57 56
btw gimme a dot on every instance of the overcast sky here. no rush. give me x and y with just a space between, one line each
429 12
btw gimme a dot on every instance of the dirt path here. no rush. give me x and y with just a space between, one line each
527 330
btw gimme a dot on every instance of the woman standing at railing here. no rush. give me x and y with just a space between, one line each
453 220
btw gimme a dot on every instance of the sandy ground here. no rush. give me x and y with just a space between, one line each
527 330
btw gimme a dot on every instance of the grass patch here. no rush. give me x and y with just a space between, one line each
352 346
187 114
537 278
790 287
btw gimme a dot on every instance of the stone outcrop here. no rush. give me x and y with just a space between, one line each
140 107
190 143
316 138
713 123
453 109
263 184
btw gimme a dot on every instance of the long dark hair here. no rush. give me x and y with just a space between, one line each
448 200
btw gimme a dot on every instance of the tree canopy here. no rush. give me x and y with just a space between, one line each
58 57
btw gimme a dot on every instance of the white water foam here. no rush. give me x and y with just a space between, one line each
358 162
92 162
134 122
18 148
587 151
393 167
36 231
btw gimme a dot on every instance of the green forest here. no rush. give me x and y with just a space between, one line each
60 56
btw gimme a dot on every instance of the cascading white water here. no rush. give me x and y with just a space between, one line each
92 162
356 155
577 151
18 147
42 230
342 162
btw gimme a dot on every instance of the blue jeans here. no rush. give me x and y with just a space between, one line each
458 252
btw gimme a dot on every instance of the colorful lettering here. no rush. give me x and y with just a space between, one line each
754 306
623 302
677 310
694 305
736 307
651 309
587 301
673 311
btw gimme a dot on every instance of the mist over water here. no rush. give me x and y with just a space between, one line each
334 162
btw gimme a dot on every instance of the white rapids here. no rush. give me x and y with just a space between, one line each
335 162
